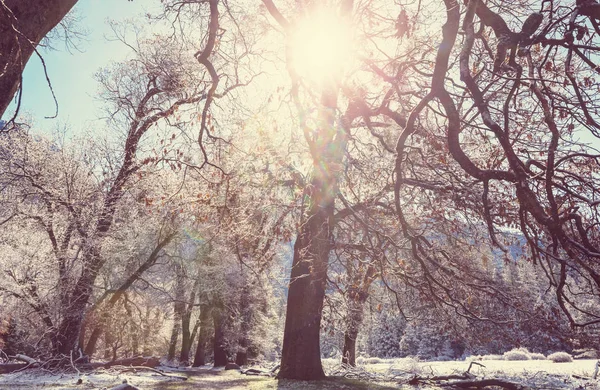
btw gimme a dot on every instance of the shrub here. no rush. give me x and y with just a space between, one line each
407 364
585 354
492 357
516 354
537 356
560 357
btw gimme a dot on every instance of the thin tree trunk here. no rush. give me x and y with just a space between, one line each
357 296
187 335
146 333
108 342
241 358
349 352
135 340
186 341
178 308
203 335
90 347
220 355
173 341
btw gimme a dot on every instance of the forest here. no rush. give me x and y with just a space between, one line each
339 192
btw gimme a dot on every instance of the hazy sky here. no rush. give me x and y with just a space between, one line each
71 73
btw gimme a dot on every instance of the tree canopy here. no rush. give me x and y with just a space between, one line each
401 146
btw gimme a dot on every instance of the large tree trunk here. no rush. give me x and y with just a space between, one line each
301 353
21 30
220 354
203 336
66 338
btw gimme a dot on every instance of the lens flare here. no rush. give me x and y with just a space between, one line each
321 46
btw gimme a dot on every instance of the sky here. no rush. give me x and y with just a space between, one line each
71 72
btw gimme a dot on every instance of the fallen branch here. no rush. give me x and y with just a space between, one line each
465 380
464 376
136 361
12 367
24 358
581 377
482 383
471 365
135 368
351 372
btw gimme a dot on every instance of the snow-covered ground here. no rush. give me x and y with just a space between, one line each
577 367
99 379
538 374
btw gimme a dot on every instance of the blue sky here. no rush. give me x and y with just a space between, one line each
71 73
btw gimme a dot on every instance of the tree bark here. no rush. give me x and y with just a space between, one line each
245 309
203 335
301 352
178 308
220 355
188 336
356 296
23 24
90 347
173 341
349 352
66 338
108 342
186 340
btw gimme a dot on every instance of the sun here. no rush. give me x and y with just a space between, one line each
321 46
